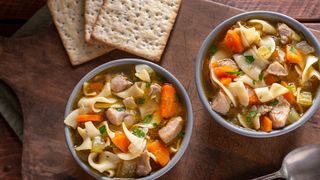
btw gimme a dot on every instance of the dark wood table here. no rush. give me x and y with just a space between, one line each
304 11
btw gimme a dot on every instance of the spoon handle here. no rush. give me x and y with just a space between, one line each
270 176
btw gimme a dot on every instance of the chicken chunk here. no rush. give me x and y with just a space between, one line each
285 33
264 109
129 119
143 164
129 102
127 169
305 48
155 90
220 103
119 83
277 69
228 62
114 116
171 129
279 114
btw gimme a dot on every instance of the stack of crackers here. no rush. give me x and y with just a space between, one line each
91 28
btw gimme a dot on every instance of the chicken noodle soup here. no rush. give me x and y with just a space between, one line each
261 75
127 122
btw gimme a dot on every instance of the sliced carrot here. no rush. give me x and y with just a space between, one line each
266 124
253 98
160 151
225 71
95 86
233 41
168 101
121 141
293 55
225 81
289 95
89 117
270 79
283 83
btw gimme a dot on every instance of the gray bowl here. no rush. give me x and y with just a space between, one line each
180 89
217 33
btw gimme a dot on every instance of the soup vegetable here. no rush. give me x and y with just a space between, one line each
127 122
261 75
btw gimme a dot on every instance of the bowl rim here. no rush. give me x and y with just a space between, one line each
182 92
208 41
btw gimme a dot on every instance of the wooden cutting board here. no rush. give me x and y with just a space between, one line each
38 69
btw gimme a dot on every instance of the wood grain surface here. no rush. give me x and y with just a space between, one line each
38 69
10 153
306 11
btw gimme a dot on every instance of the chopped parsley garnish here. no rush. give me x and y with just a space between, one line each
176 95
160 78
102 129
249 59
292 49
213 49
181 134
260 76
253 82
140 101
138 132
274 103
147 119
120 109
251 115
235 72
155 124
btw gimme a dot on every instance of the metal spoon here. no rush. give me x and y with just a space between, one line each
301 163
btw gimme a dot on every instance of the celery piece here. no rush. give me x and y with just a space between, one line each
304 98
97 144
292 88
293 116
